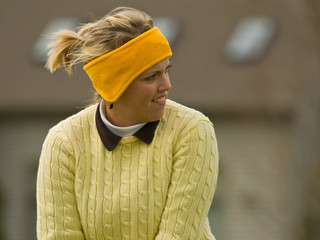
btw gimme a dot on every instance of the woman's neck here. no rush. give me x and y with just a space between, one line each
123 131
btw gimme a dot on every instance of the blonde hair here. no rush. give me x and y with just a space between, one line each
97 38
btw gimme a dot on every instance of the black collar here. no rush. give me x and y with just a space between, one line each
110 140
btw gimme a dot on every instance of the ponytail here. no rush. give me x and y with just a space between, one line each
65 50
97 38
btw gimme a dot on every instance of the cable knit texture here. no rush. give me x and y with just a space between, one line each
137 191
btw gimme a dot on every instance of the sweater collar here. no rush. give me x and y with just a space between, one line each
110 140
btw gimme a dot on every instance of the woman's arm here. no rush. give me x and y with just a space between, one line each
57 213
192 186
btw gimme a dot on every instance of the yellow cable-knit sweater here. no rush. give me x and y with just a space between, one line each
162 190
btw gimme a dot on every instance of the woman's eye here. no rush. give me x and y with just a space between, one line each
151 77
168 68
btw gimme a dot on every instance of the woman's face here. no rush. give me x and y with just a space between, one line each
145 98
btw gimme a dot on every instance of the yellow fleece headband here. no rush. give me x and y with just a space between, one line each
113 72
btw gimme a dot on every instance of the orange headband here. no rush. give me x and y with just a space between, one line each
113 72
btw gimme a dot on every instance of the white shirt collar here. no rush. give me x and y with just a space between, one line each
120 131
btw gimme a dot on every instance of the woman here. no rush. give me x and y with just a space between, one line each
133 165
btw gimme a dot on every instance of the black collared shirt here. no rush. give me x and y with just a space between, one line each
110 140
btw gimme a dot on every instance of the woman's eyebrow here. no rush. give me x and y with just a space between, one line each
157 70
160 70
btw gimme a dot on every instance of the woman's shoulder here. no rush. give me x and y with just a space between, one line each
71 134
77 122
177 110
179 121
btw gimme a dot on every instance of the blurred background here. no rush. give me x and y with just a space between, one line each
251 66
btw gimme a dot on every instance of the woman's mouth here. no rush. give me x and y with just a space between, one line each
161 100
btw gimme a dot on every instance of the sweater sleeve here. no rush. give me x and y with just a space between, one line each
57 213
192 186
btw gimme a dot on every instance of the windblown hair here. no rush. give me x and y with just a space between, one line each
95 39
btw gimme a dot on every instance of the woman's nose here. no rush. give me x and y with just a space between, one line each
165 84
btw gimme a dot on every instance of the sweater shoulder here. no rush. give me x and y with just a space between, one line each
77 122
179 119
177 110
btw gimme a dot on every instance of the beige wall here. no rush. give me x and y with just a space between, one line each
201 76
